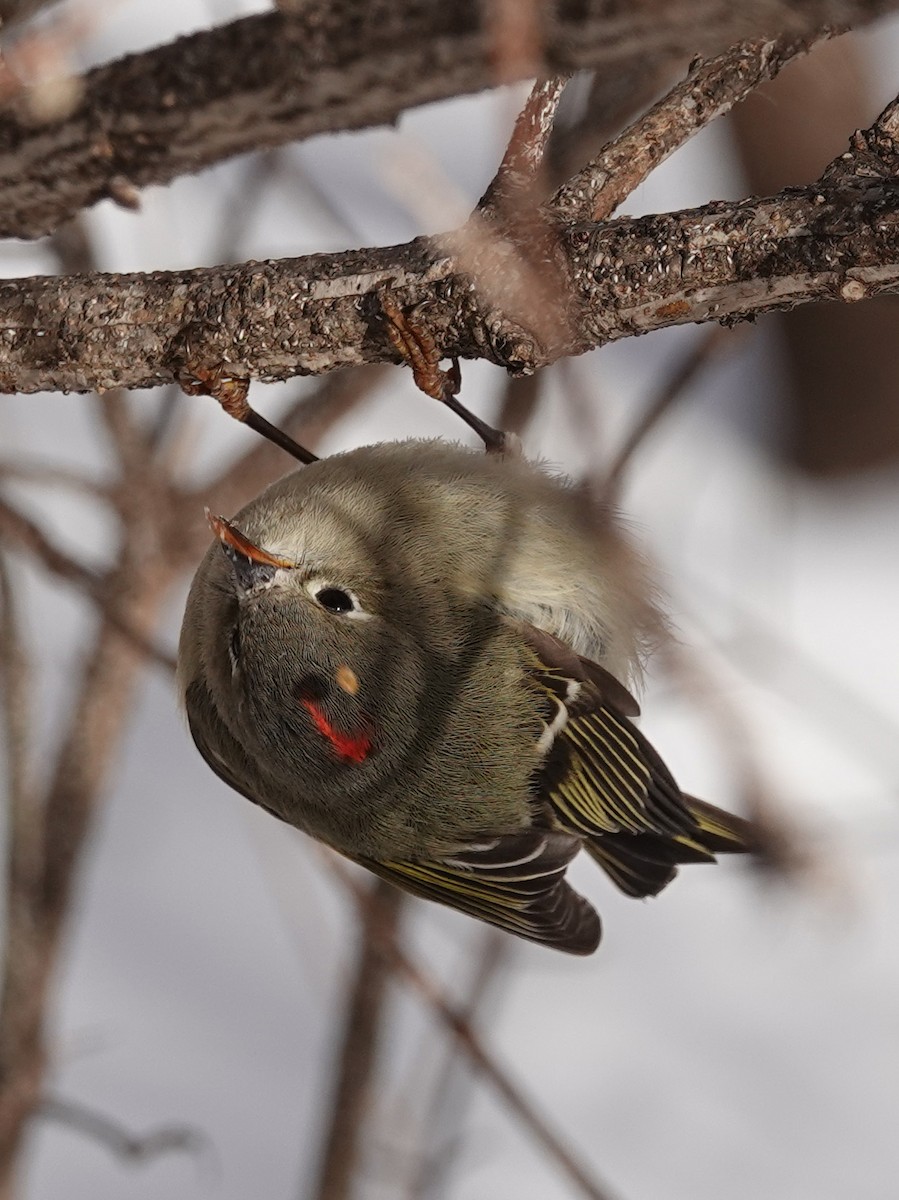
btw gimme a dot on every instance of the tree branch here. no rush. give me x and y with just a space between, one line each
837 239
333 64
711 89
454 1020
363 1031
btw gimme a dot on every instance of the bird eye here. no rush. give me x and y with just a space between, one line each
335 600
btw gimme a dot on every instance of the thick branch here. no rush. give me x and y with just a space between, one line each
337 64
719 262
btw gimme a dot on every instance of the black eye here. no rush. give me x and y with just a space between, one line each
335 600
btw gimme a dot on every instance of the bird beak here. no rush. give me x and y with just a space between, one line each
252 565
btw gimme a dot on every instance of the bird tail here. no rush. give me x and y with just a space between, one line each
720 831
643 864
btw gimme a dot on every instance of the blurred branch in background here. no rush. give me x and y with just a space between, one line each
363 1030
119 1141
441 1126
839 410
454 1018
324 66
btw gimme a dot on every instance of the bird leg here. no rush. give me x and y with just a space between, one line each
231 390
417 347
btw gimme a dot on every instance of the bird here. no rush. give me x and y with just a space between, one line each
424 656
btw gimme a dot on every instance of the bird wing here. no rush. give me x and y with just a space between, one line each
600 777
514 881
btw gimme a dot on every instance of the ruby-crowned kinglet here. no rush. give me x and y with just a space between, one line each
418 654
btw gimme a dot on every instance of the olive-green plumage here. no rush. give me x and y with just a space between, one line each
418 654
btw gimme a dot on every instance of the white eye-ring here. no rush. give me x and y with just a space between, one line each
340 601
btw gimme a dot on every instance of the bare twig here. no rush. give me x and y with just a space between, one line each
674 388
516 182
24 857
442 1116
712 88
597 283
311 416
52 476
27 535
418 348
335 64
98 713
454 1020
357 1056
119 1141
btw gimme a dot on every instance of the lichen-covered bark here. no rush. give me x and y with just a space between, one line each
311 315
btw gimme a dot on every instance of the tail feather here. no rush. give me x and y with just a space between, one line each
643 864
720 831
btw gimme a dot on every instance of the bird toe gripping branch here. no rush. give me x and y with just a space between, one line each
417 347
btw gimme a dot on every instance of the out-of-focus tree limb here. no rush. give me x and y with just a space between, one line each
363 1029
839 407
454 1019
334 64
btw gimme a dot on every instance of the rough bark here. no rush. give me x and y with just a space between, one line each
838 239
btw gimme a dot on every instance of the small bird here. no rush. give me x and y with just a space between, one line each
420 655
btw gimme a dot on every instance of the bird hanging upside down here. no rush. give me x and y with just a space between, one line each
420 655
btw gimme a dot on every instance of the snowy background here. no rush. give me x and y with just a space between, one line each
736 1038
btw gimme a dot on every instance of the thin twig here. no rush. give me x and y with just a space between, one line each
453 1019
119 1141
442 1116
311 417
363 1031
675 387
51 476
711 88
22 966
517 179
27 535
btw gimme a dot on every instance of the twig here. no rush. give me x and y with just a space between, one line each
27 535
24 857
722 262
119 1141
416 345
312 416
52 476
674 388
516 182
231 388
711 88
274 78
433 1167
453 1018
362 1034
